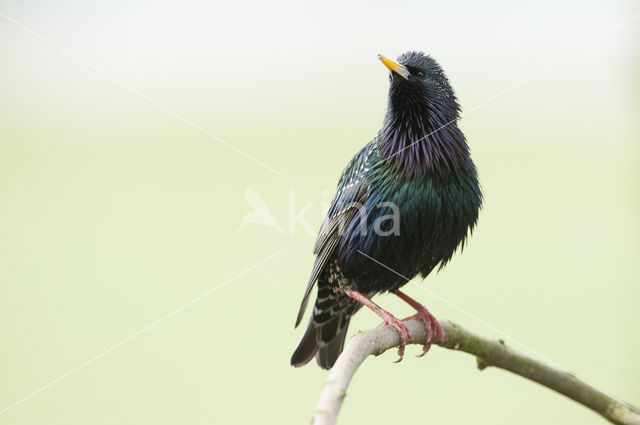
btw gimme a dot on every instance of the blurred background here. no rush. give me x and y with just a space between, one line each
117 209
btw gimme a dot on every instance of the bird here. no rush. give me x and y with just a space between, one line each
404 204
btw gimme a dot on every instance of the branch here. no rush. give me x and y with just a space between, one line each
488 352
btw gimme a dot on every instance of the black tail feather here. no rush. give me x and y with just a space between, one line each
327 329
319 342
307 347
328 354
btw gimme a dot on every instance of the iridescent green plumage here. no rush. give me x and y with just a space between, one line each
403 205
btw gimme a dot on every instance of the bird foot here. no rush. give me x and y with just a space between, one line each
389 319
435 332
404 333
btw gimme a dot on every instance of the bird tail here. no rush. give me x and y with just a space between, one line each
327 329
323 341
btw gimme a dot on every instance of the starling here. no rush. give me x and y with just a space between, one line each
403 205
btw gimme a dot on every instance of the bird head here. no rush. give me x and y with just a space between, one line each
419 89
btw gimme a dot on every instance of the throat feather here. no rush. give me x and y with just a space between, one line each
416 146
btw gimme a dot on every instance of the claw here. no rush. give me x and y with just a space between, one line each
435 332
400 354
404 333
425 349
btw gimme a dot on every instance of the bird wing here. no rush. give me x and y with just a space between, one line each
351 195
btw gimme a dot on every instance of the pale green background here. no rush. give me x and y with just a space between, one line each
114 213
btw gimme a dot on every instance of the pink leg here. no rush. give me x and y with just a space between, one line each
403 332
434 329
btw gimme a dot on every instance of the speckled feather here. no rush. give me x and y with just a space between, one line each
419 162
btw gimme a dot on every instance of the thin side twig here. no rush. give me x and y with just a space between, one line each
489 352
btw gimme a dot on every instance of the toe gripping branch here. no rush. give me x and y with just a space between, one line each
403 332
435 332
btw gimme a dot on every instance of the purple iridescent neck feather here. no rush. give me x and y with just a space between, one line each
420 131
421 140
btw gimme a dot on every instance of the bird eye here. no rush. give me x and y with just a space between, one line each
420 74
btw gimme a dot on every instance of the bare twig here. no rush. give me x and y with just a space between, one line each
488 352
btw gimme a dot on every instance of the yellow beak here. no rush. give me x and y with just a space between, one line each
394 66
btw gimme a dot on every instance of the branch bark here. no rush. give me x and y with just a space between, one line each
488 352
